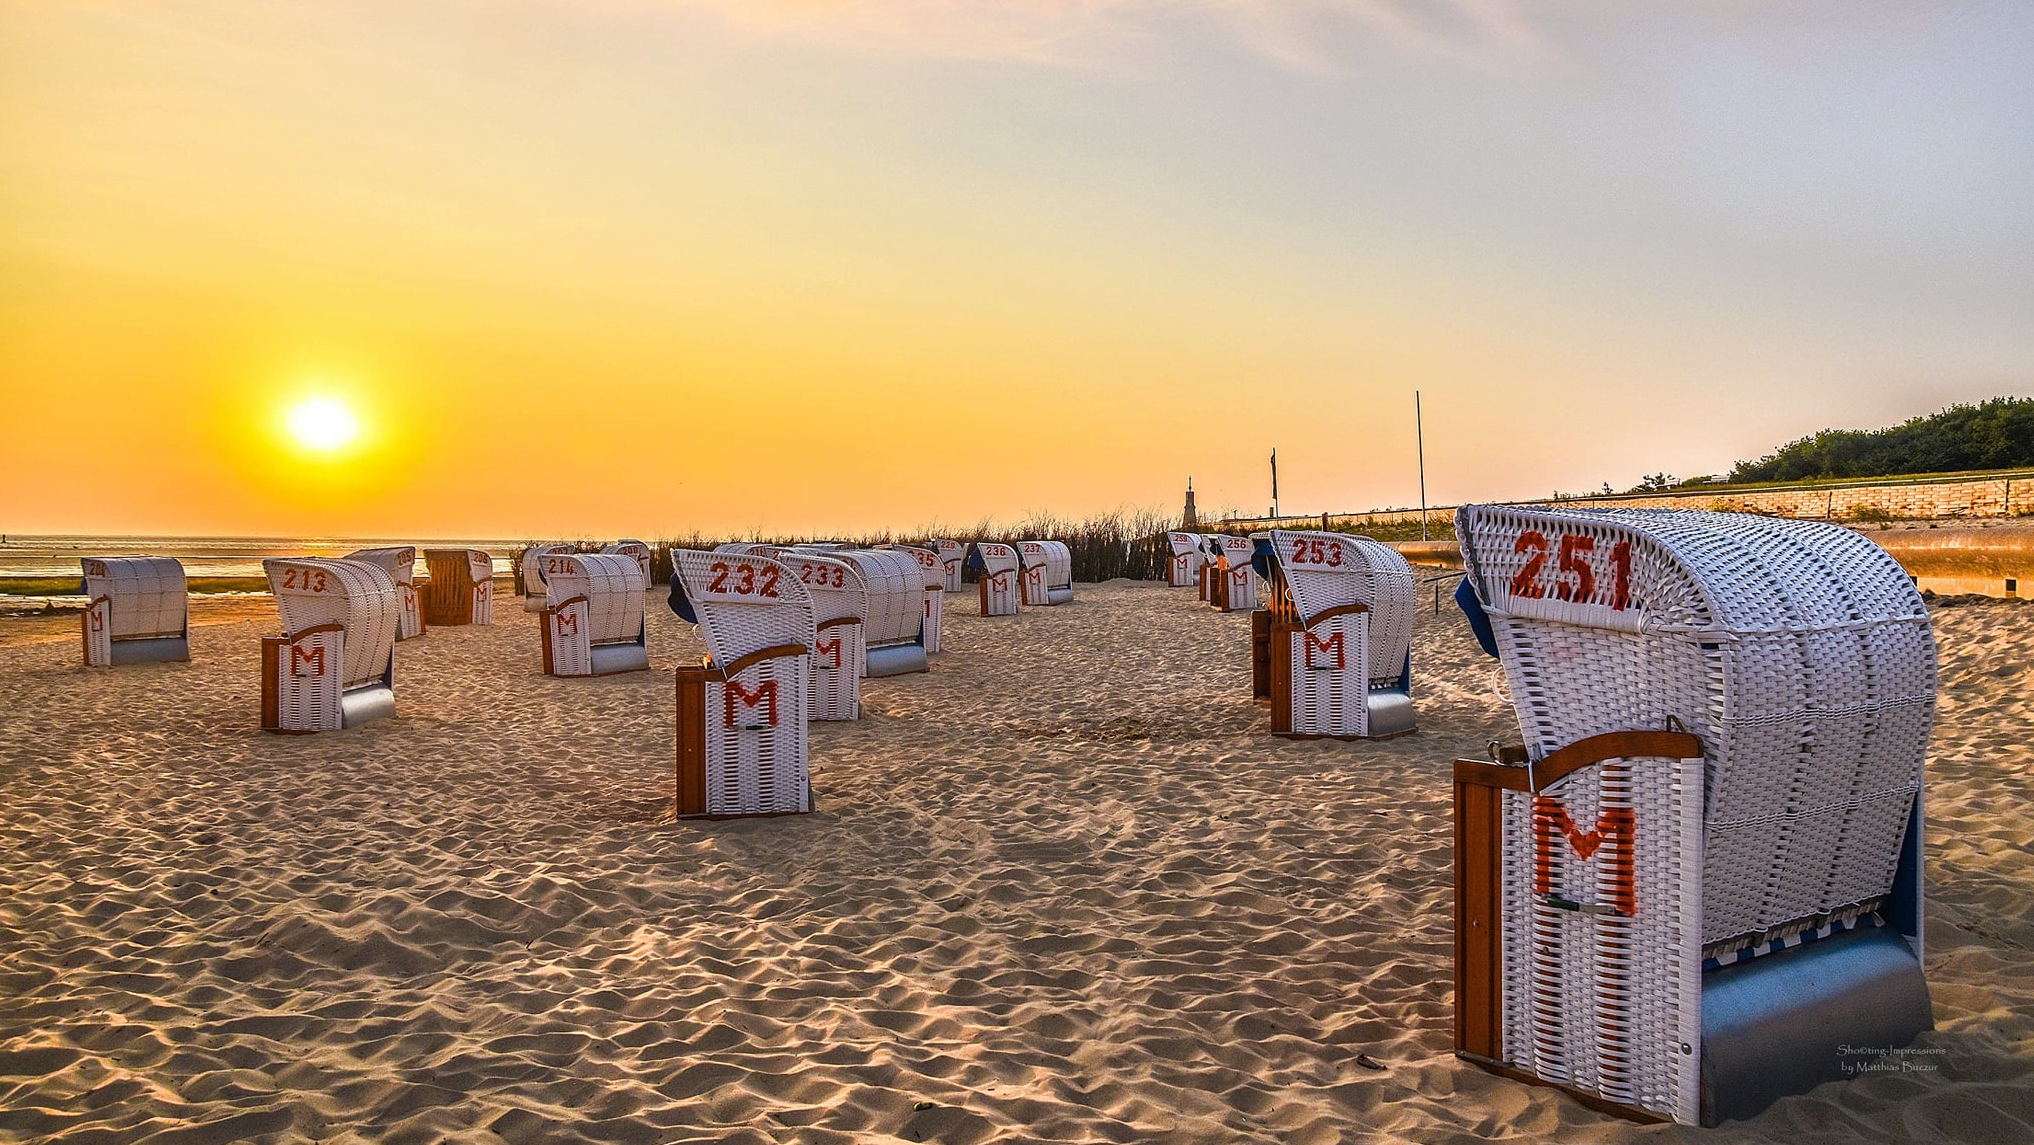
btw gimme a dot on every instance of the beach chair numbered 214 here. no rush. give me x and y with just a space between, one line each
138 611
1333 649
1696 887
334 665
741 715
593 624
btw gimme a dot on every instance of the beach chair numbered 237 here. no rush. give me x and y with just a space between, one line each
1048 573
334 665
996 569
138 611
461 588
1333 650
741 715
593 625
1696 887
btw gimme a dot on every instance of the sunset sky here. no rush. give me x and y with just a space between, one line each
648 266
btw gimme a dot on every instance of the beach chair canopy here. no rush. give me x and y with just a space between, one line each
534 584
1236 550
895 587
1323 571
358 597
634 550
1188 544
743 604
145 597
612 584
1054 555
990 558
398 561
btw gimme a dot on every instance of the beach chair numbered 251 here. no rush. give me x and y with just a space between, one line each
461 588
741 715
1047 574
1332 651
334 665
593 624
138 611
996 568
1696 887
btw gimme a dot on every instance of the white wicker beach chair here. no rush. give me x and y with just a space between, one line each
1690 923
952 555
400 563
1232 584
933 612
1338 637
635 550
537 593
1047 573
1187 559
892 632
840 610
138 611
593 625
334 665
996 569
461 588
741 715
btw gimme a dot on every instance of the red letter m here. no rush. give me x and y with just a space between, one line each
766 694
823 648
1616 827
1332 644
301 656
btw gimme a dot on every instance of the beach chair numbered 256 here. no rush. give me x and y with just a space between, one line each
1332 651
334 665
1232 585
138 611
996 568
741 715
593 623
1696 887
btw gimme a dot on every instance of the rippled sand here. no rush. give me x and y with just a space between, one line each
1065 887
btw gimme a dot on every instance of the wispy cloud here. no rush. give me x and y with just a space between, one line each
1318 36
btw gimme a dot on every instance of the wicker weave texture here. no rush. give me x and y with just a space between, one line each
1187 558
756 742
743 612
1329 570
612 584
461 589
636 551
1239 583
536 592
895 588
1047 565
131 598
840 609
357 596
933 606
400 563
1798 651
1331 677
998 569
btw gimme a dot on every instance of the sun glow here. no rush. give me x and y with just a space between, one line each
323 424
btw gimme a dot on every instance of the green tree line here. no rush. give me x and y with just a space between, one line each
1997 434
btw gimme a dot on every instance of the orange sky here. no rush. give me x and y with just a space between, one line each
650 266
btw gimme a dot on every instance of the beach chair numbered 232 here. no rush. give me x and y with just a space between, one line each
593 625
1696 887
138 611
996 568
741 715
1333 649
334 665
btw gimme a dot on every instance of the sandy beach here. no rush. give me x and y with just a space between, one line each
1064 887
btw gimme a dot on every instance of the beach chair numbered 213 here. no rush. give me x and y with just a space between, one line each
1333 649
138 611
1696 887
741 715
334 665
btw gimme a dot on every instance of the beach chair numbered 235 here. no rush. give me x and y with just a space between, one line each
933 609
593 624
1696 887
334 665
1332 651
138 611
741 715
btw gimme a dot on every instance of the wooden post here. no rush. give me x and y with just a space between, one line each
689 795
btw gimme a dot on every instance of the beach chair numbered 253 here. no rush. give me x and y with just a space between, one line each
741 715
334 665
1696 886
1332 651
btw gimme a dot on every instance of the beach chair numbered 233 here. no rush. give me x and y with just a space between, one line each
138 611
840 605
741 715
1696 887
1333 649
334 665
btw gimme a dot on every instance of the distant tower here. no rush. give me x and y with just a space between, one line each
1190 518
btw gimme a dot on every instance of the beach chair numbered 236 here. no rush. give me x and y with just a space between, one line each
996 569
138 611
1333 649
741 715
1696 887
334 665
593 625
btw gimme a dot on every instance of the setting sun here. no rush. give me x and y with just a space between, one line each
323 423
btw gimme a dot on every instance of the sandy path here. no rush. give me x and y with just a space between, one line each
1064 888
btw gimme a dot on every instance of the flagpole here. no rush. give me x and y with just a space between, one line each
1274 483
1420 436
